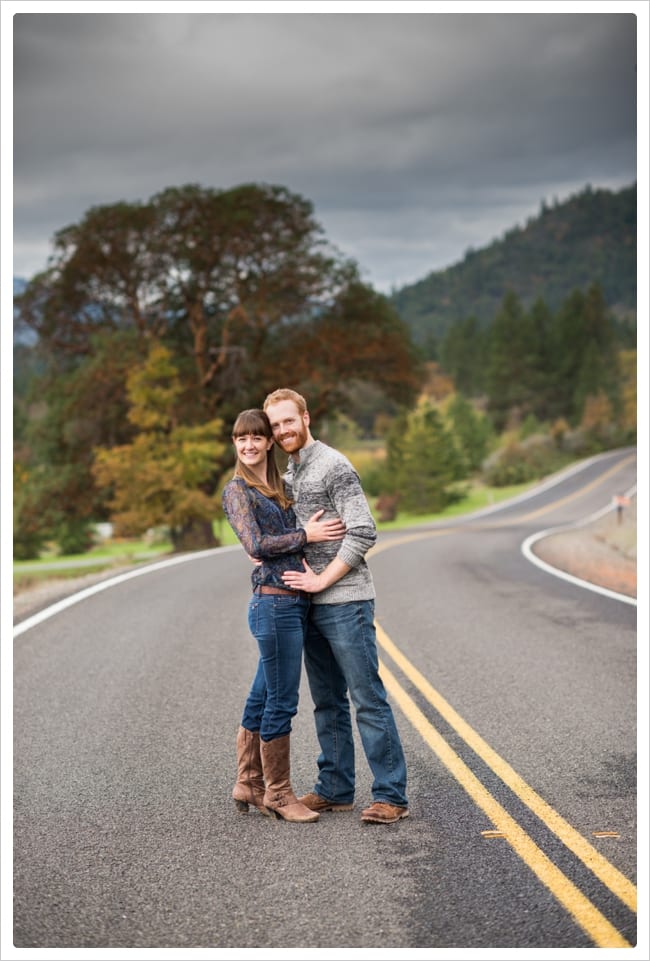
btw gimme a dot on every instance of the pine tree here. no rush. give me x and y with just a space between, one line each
471 432
162 477
463 356
584 348
511 363
429 463
542 366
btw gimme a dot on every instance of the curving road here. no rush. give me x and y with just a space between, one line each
514 691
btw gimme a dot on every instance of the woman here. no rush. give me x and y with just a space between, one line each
260 514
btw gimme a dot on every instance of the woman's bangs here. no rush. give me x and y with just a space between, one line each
252 422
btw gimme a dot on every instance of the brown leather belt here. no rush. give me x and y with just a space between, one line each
265 589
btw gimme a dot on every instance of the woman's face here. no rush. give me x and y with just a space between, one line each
252 449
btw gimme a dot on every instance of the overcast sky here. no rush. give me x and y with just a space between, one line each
415 135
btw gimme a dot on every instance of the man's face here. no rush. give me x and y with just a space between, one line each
290 427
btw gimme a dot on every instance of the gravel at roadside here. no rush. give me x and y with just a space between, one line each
602 552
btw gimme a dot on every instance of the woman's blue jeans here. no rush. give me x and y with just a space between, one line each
341 656
278 622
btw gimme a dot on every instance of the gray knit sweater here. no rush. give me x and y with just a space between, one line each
325 479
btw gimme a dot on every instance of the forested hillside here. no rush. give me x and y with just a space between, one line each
591 238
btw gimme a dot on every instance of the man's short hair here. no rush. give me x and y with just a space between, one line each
285 393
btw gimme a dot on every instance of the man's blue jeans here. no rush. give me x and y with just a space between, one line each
278 623
341 656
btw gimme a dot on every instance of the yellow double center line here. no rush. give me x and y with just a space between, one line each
586 915
595 925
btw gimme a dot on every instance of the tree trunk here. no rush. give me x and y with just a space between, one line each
194 535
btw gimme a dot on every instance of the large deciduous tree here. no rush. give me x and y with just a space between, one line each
240 285
357 337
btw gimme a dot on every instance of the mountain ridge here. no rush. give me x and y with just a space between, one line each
588 238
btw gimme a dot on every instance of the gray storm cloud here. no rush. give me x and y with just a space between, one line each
414 135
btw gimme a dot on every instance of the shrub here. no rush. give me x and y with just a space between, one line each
518 462
74 536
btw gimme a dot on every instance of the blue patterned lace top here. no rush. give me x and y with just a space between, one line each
266 531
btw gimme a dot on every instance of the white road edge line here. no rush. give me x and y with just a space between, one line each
526 549
61 605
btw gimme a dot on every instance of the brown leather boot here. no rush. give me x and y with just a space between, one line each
279 798
249 788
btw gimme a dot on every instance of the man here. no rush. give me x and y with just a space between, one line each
340 644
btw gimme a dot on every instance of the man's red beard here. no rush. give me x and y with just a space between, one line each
293 441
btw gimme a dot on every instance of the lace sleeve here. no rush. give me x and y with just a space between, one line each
240 511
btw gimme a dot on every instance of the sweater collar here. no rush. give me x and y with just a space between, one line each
305 455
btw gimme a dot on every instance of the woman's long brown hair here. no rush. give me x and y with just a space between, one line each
255 421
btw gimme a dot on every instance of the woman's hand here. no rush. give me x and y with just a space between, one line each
317 530
306 580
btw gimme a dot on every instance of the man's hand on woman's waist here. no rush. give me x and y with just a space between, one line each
312 582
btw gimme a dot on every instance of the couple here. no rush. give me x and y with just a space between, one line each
327 606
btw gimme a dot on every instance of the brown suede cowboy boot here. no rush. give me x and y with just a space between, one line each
279 798
249 788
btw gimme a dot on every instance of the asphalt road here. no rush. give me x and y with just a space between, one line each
514 692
